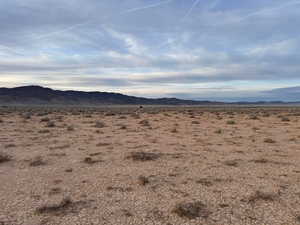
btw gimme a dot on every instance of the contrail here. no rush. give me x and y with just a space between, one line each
11 50
196 2
269 10
91 21
146 7
62 30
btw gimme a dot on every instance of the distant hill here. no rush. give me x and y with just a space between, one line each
40 95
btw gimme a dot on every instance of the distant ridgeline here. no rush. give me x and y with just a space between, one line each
40 95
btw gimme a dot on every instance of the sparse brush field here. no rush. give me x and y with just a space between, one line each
154 165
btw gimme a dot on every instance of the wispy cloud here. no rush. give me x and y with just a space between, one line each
269 10
144 47
146 7
196 2
127 11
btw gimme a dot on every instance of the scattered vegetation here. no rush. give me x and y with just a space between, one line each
143 180
230 122
264 196
234 162
191 210
144 156
269 140
57 209
4 157
37 161
45 119
50 124
145 123
285 119
99 124
90 160
70 128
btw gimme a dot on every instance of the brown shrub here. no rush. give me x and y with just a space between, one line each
269 140
144 156
191 210
4 158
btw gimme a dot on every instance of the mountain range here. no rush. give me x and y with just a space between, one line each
37 95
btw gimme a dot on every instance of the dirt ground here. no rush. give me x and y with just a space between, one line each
170 166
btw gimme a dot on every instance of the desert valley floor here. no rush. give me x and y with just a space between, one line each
169 166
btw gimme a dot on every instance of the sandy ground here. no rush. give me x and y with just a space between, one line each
162 166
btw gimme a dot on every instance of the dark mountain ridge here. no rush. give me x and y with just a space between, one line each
42 95
37 95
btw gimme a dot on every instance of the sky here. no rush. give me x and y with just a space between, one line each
223 50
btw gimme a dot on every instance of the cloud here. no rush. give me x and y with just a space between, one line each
139 47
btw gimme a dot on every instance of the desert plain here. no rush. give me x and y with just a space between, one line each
150 165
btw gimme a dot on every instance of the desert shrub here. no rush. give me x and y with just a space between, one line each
219 131
50 124
144 123
90 160
37 161
45 119
230 122
99 124
233 163
144 156
123 127
253 117
285 119
70 128
55 208
4 157
265 196
174 130
44 131
262 160
269 140
143 180
191 210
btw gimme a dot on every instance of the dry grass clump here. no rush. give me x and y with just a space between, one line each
269 140
43 131
45 119
99 124
191 210
219 131
234 162
174 130
262 160
230 122
50 124
37 161
145 123
285 119
123 127
70 128
55 191
4 157
142 180
253 117
90 160
264 196
10 146
144 156
56 209
205 182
